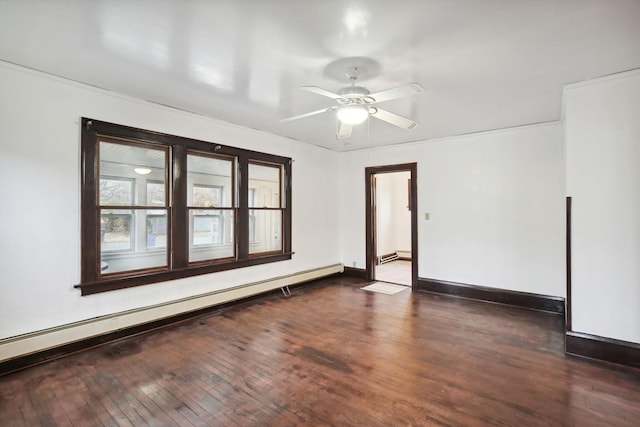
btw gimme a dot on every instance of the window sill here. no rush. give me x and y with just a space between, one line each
145 278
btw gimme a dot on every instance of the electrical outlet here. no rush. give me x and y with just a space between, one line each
353 264
427 216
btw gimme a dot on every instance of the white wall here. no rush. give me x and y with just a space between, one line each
393 217
603 178
40 208
496 202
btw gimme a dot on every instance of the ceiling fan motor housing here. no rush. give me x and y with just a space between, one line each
354 95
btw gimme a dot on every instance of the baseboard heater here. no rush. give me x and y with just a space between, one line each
37 341
387 258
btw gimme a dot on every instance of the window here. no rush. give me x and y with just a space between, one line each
211 205
127 210
158 207
265 208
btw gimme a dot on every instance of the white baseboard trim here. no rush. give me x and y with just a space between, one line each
33 342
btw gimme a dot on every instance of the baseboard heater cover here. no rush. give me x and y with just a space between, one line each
387 258
34 342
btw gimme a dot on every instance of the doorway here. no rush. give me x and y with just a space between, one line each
379 253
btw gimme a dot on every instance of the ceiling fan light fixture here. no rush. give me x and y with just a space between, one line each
142 171
352 114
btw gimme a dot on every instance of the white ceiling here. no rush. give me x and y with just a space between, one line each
484 64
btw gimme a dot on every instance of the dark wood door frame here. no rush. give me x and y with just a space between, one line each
567 307
370 173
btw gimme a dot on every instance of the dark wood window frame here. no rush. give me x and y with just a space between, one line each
93 281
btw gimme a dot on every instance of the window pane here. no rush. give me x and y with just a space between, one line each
123 245
123 166
116 191
156 194
266 226
209 182
156 229
207 228
264 186
207 197
211 232
252 227
116 230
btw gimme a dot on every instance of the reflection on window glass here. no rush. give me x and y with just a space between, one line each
211 233
207 196
116 230
252 227
267 230
264 186
156 193
207 228
116 191
156 229
209 182
252 217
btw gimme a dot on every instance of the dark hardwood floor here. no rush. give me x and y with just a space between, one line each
332 354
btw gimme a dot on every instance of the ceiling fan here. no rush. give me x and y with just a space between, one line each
356 104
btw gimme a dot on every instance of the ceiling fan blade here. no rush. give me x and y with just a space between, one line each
313 113
398 92
344 131
394 119
320 91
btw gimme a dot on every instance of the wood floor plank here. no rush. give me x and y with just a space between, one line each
100 397
332 355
